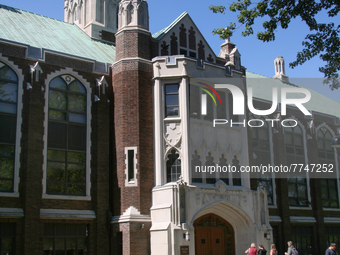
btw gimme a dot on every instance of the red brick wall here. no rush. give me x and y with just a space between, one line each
132 83
29 239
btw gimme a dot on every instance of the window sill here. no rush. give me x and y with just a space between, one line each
331 209
172 118
300 208
84 198
9 194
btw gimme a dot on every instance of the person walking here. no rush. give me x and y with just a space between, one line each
291 249
262 250
331 249
252 250
273 250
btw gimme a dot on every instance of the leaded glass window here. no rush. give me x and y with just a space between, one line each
333 236
8 122
66 239
329 187
195 102
7 238
173 167
303 239
209 163
236 175
66 154
224 176
171 100
297 185
261 150
196 164
100 11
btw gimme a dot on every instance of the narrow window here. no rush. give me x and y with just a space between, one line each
261 149
100 11
221 110
173 167
131 166
297 185
171 100
195 102
232 117
196 165
237 175
131 155
329 187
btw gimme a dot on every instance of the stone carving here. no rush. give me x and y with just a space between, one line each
172 136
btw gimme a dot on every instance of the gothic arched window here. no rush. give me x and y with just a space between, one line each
295 154
329 187
66 139
173 167
8 126
261 152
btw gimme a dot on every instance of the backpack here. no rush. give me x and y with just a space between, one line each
294 251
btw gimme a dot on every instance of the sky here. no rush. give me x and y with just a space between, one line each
256 56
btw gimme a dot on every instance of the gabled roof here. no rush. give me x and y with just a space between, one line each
262 89
34 30
166 29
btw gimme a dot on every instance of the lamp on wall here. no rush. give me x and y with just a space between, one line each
268 235
187 236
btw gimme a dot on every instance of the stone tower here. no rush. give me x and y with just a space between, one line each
98 18
132 87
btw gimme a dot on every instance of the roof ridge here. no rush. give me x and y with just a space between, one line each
284 82
159 33
17 10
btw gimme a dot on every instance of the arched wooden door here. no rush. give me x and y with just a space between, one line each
213 236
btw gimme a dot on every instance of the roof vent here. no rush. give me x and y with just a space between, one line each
279 64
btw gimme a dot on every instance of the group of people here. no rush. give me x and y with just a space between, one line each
291 250
262 251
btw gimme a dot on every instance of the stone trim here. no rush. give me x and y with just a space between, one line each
67 214
12 212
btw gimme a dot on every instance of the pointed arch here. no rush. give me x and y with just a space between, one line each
11 109
69 82
173 166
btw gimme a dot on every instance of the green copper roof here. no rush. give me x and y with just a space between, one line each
50 34
262 89
164 30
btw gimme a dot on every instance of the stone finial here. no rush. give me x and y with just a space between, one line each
279 65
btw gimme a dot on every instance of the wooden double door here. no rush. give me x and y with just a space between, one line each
213 236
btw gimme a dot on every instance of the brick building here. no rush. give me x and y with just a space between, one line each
102 131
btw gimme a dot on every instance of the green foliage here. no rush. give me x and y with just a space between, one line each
323 41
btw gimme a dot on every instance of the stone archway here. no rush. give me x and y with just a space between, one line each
213 235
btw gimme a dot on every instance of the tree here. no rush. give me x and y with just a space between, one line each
323 41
